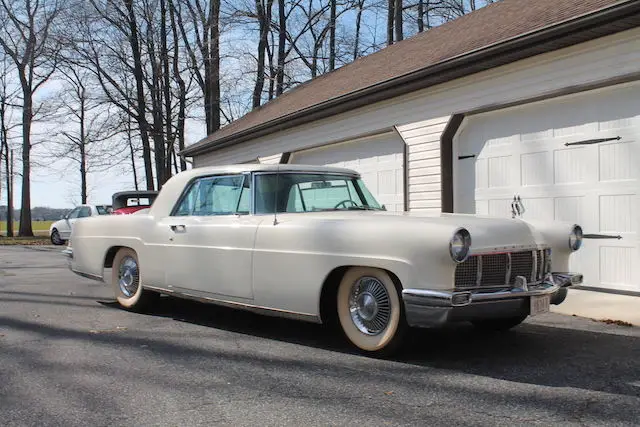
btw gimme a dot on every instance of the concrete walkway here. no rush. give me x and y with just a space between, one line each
601 306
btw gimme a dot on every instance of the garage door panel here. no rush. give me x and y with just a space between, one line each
523 151
379 160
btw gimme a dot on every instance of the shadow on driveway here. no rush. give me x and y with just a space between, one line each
529 353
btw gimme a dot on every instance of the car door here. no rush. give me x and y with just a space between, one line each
210 238
64 226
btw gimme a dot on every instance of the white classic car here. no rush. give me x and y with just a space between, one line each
312 243
60 231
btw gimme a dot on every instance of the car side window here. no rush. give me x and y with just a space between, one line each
218 195
73 214
84 212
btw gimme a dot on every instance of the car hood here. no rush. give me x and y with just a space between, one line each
487 233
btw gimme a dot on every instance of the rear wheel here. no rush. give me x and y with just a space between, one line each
125 279
370 310
497 325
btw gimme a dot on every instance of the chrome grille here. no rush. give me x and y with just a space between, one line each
500 270
521 265
540 265
494 270
467 273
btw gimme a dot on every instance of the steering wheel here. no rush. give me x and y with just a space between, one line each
344 202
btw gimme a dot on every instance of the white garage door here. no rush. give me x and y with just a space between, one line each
378 159
571 159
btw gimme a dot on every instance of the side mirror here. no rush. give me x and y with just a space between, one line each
384 208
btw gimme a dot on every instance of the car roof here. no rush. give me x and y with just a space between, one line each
256 167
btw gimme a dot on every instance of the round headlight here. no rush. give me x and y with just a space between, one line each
575 238
459 245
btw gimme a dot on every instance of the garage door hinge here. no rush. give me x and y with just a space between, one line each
593 141
466 157
600 236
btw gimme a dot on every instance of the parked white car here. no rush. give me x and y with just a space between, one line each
60 231
328 252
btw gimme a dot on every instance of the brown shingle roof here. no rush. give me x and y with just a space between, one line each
493 24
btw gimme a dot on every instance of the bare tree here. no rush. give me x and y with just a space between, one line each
199 24
6 153
87 127
26 38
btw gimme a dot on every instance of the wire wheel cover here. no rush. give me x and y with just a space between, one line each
128 276
369 305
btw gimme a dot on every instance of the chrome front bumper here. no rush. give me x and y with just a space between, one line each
427 308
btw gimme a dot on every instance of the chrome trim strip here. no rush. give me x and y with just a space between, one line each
479 272
88 275
239 305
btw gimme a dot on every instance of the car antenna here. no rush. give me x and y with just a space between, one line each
275 207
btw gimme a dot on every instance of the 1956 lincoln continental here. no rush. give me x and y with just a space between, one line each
313 243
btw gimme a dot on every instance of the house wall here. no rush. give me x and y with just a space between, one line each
423 162
420 117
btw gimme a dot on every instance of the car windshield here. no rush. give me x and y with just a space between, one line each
310 192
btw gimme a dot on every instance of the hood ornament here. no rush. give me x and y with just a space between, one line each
517 208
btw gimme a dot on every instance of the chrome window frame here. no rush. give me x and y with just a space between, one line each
187 188
296 172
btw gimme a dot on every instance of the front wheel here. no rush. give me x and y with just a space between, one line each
55 238
125 279
370 310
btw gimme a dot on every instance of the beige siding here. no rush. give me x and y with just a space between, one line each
423 162
271 160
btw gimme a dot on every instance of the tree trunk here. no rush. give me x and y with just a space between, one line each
332 36
421 16
398 19
25 229
164 54
140 97
262 47
83 152
181 86
9 167
356 43
213 81
133 156
390 17
282 39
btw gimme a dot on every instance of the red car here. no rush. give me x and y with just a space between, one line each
128 202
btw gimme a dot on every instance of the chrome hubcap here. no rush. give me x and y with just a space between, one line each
128 277
369 305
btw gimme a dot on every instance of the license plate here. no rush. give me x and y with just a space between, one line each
540 304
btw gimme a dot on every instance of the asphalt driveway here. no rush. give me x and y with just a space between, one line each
70 356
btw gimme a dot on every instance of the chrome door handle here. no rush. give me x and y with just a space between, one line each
179 228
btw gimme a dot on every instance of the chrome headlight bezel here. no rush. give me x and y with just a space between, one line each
460 245
575 238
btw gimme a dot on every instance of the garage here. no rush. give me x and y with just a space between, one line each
571 158
379 159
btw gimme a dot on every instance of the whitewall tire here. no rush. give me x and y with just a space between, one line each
126 281
370 310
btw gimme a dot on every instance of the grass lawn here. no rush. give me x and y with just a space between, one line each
40 228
